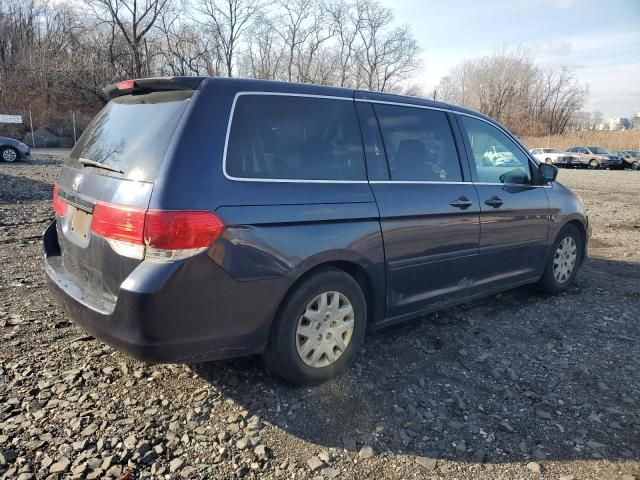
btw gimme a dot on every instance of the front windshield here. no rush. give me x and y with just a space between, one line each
598 150
550 150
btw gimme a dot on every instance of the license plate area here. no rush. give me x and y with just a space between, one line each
80 222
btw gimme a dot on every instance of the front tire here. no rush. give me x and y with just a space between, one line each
563 262
593 164
318 329
635 166
9 154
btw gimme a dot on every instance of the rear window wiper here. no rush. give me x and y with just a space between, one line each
92 163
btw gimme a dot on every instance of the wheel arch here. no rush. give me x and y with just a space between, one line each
582 229
362 273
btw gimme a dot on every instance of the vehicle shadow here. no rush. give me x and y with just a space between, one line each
520 375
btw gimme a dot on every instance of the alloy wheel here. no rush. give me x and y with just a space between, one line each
9 155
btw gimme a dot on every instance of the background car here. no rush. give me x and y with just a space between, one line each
494 157
556 157
630 158
12 150
596 157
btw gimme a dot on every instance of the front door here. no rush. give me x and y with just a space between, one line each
514 218
429 210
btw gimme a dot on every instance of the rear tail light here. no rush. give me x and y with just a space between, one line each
59 206
120 223
161 235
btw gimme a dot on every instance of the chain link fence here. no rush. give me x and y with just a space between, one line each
44 129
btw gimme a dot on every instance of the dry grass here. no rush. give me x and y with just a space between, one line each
618 140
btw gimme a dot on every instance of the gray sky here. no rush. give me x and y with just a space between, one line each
598 39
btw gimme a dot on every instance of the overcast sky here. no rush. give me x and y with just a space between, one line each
598 39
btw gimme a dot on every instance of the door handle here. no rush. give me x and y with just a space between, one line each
461 203
494 202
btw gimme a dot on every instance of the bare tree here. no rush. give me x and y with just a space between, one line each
311 66
507 85
228 20
386 57
294 29
597 119
265 51
133 19
185 48
57 56
345 24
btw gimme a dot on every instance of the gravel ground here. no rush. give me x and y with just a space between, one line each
516 386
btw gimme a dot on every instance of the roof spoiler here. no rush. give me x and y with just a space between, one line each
146 85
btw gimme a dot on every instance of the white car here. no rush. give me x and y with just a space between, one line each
555 156
497 158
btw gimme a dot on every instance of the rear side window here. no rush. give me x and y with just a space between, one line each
283 137
131 134
419 144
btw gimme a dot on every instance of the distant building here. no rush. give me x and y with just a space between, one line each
613 123
635 121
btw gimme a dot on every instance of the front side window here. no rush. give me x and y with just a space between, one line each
297 138
497 158
419 144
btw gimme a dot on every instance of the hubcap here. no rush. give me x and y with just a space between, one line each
564 260
325 329
9 155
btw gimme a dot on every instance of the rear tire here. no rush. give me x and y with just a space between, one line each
9 154
635 166
593 164
547 160
310 358
563 262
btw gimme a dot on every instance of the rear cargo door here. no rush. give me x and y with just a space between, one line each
114 163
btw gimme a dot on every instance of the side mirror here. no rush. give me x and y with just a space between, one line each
547 173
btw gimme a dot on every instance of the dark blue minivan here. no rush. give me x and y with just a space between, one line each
207 218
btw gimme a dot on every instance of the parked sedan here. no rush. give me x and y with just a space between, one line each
630 158
596 157
12 150
556 157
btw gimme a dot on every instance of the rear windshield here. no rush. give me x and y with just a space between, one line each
131 134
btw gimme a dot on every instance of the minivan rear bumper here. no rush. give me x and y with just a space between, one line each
188 311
